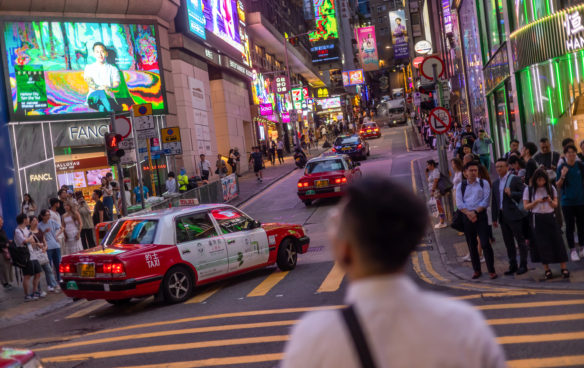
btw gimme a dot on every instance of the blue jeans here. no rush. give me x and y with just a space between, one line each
486 160
48 275
109 203
55 259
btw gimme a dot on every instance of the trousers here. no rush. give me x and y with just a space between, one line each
513 231
479 230
574 218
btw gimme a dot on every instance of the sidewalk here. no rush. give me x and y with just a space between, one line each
453 248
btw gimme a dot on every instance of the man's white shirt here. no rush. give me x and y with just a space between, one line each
104 75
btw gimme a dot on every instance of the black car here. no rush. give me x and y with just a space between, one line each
351 145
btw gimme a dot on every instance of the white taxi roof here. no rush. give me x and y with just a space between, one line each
328 157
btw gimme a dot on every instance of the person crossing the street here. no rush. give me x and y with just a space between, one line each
256 158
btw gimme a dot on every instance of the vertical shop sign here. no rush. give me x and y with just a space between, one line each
368 48
399 33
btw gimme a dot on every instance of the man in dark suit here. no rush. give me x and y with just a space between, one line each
507 194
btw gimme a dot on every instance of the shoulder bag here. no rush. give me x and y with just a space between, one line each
20 255
359 340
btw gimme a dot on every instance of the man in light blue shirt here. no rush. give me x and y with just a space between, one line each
51 231
481 148
472 199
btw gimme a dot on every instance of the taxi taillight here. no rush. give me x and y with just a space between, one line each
67 269
342 180
115 269
303 184
359 146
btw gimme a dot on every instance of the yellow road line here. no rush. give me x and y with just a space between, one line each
40 340
418 269
164 348
201 297
494 295
85 311
538 319
186 331
267 285
430 268
560 361
414 186
407 145
523 339
553 303
211 362
482 286
333 280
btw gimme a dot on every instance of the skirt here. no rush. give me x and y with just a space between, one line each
547 239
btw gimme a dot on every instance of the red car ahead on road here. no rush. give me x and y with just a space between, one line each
18 358
370 130
326 177
170 252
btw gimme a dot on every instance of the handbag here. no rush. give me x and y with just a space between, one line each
42 256
444 184
458 221
433 206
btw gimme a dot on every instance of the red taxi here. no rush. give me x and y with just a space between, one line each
326 177
370 130
17 358
170 252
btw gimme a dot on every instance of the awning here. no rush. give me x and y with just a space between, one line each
267 36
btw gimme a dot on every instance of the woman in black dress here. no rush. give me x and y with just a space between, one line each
541 199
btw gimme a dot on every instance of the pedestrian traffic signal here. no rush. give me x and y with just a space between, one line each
112 145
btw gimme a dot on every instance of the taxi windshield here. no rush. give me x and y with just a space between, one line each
324 166
346 140
133 232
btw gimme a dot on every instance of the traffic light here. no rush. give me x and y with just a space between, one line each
112 145
293 41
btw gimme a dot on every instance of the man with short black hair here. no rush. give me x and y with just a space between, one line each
506 210
547 158
257 160
527 153
99 213
514 149
63 197
472 199
101 78
402 325
481 148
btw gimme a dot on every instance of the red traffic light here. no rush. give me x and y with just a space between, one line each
113 140
293 40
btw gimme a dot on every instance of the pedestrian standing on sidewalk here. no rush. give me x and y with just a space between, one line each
87 238
571 182
63 197
433 175
5 264
204 167
237 156
56 204
51 231
280 151
547 158
40 248
28 206
472 199
541 199
108 194
527 153
171 184
481 147
183 181
273 153
456 164
507 194
32 270
258 163
72 226
514 149
231 160
382 301
221 167
517 166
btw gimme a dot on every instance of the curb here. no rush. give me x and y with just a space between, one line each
66 301
500 281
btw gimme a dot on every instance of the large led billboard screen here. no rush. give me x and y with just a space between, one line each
62 68
367 48
399 33
196 18
325 21
222 19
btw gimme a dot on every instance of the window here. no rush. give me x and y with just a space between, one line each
346 140
194 227
324 166
133 232
380 19
231 220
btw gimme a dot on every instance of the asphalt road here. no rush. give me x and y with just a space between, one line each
245 321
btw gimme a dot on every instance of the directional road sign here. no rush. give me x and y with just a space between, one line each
427 67
440 120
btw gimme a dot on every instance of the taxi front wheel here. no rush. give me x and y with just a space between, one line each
177 285
287 255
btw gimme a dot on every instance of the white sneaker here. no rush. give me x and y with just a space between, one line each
466 258
42 294
440 225
574 255
50 288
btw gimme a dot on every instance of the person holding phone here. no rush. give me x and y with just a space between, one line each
541 198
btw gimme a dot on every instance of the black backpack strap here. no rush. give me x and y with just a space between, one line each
356 333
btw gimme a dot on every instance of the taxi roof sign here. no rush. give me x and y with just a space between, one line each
142 110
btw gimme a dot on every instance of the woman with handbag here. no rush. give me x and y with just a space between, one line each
72 224
433 177
541 199
31 268
40 250
28 206
5 265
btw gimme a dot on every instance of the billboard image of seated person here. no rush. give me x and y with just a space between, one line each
101 77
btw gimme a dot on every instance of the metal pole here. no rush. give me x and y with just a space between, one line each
151 168
289 91
442 154
138 161
120 173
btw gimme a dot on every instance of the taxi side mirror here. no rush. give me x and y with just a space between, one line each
256 224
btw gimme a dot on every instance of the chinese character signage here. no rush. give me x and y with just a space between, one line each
281 84
66 69
196 18
447 16
329 103
367 48
574 28
324 51
325 21
353 77
399 33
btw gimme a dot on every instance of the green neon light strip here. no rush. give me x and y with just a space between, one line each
560 94
525 11
549 95
570 71
530 90
547 7
533 18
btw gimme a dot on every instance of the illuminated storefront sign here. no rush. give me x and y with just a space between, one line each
266 109
329 103
325 21
196 18
353 77
57 68
399 33
324 51
367 48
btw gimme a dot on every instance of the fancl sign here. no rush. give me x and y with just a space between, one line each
79 133
86 132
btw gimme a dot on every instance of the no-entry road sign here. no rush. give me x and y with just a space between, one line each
440 120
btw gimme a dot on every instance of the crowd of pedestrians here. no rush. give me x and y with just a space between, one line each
535 193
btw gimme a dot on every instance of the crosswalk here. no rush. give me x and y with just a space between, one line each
532 332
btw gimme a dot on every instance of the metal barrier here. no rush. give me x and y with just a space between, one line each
215 192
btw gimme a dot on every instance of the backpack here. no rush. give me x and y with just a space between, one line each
20 255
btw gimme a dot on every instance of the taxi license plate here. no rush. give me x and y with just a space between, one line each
368 130
346 148
321 183
86 269
310 192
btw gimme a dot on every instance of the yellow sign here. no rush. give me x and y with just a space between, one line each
142 110
170 135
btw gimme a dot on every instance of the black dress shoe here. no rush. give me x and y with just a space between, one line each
522 270
511 271
476 275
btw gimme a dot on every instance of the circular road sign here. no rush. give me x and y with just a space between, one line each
423 47
440 120
142 110
123 126
427 67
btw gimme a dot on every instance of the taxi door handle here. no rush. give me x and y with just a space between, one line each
230 241
186 251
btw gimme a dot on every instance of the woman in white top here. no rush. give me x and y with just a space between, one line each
456 164
541 198
28 206
433 178
72 224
